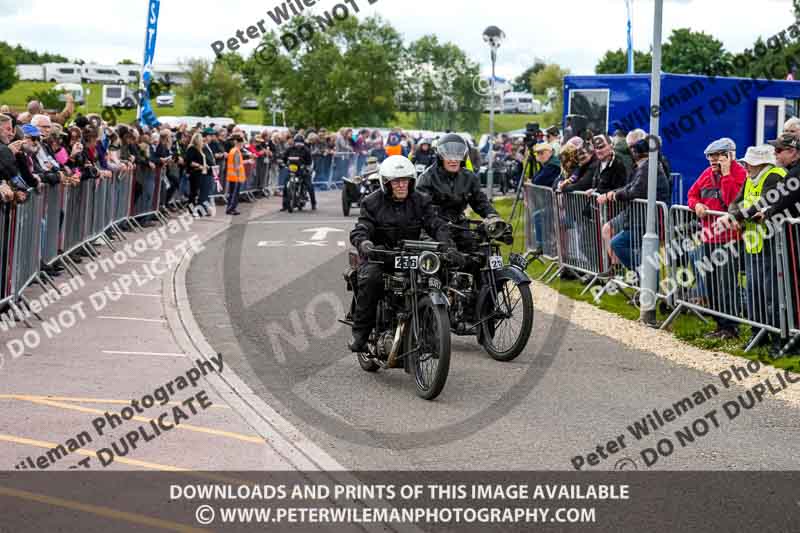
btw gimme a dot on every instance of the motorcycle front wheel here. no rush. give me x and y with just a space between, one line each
291 194
506 322
431 362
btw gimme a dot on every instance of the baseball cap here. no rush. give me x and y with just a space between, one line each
787 140
30 130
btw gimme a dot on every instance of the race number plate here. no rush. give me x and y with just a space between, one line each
496 262
406 262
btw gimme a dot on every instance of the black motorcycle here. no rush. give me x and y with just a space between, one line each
489 298
296 189
412 328
357 188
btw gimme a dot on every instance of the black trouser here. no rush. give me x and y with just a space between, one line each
370 290
194 187
174 183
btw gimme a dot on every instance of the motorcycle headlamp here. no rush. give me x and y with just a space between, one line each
429 263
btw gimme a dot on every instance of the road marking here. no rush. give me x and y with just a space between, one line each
270 243
189 427
341 244
107 512
306 221
84 400
320 233
309 243
124 460
161 354
133 318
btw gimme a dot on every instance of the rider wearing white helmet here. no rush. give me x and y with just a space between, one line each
397 212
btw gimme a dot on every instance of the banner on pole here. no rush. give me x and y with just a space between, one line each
146 116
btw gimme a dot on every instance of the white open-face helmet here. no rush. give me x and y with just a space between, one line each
396 167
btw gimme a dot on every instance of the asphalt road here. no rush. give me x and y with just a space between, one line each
267 293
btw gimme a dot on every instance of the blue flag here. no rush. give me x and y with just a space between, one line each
146 115
630 39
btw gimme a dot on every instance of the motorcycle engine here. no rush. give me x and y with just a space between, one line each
384 344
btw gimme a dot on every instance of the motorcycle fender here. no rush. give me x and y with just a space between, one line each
514 274
438 299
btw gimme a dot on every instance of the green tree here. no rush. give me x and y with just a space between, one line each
48 98
616 62
126 62
212 90
551 76
690 52
8 73
522 83
23 56
344 75
437 83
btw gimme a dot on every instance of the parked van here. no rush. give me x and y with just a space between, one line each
102 74
30 72
119 95
130 73
75 88
62 72
520 103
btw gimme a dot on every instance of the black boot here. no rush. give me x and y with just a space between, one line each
358 343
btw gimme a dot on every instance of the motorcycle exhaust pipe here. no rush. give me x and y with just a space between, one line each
398 334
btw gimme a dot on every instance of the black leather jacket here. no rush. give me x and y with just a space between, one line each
452 194
386 222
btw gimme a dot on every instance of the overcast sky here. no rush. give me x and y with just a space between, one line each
573 33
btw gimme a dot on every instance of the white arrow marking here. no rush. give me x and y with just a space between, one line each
270 243
310 243
320 233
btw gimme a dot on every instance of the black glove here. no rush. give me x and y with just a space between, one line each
455 258
366 247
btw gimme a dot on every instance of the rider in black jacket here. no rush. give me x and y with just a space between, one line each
397 212
452 187
299 149
423 155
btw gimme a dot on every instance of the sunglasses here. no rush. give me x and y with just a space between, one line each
779 150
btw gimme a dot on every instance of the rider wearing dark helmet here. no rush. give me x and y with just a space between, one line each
452 187
299 149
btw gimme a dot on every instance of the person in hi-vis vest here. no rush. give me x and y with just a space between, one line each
746 213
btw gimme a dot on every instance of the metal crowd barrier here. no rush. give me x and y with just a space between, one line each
251 183
343 165
51 225
713 273
541 232
790 264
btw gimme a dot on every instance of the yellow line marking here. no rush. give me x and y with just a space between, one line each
123 460
106 512
84 400
188 427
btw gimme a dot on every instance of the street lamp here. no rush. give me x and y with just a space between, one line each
492 36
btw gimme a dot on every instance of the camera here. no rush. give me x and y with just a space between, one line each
20 184
532 133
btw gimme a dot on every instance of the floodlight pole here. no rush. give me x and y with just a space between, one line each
650 244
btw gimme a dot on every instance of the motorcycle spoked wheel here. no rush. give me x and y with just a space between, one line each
292 197
431 364
499 336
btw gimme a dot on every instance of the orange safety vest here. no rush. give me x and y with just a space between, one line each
393 149
234 173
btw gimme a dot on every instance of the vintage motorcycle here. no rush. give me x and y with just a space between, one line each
412 328
357 188
488 298
296 189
